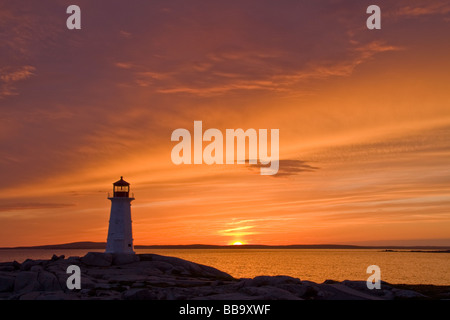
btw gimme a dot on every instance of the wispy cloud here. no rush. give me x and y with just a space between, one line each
288 167
339 68
428 8
241 70
32 205
123 65
9 76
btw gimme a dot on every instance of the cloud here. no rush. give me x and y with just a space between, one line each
27 29
245 70
288 167
322 70
125 34
429 8
123 65
370 49
242 227
32 205
10 75
237 232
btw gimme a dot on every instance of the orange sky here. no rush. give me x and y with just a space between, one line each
364 120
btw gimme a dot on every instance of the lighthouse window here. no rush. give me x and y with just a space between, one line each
121 189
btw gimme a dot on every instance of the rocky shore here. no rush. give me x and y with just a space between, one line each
155 277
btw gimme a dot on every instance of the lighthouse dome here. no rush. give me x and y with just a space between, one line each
121 188
121 182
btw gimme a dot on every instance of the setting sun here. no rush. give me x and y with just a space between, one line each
237 243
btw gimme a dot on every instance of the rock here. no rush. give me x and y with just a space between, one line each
216 283
339 291
328 281
36 268
362 285
149 267
145 257
160 265
85 292
192 268
253 291
9 266
6 283
97 259
124 258
227 296
215 273
384 293
6 268
312 292
138 284
104 286
30 295
87 283
59 295
295 289
48 282
56 258
179 270
269 293
73 260
16 265
279 294
127 278
106 295
407 294
190 283
139 294
104 273
27 264
26 281
270 281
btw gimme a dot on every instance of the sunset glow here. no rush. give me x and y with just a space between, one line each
363 119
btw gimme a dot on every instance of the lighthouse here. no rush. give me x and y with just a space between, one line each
120 236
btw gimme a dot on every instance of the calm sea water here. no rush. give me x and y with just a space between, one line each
307 264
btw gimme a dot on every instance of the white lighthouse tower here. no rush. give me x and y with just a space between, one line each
120 236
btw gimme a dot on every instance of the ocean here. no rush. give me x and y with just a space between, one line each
318 265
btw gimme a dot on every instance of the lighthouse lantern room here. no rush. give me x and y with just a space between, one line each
120 237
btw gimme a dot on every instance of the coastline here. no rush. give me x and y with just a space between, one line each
102 245
156 277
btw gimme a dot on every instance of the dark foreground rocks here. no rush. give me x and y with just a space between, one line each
154 277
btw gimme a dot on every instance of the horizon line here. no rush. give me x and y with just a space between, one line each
100 245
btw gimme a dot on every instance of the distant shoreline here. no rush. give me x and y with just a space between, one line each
424 251
102 245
